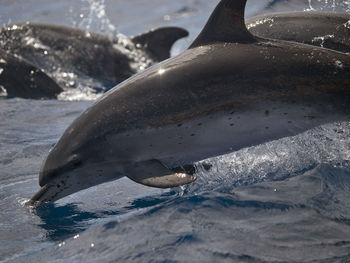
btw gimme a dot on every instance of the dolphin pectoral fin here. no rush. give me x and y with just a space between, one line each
154 173
158 42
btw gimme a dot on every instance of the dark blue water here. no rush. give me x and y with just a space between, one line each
283 201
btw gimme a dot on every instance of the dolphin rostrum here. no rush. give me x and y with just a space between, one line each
229 90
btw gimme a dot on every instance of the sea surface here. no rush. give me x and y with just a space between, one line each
282 201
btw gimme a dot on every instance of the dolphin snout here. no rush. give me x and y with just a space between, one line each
51 168
40 197
53 178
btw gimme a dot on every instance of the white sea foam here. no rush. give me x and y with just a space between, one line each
261 22
3 91
291 155
79 93
31 41
328 5
322 39
339 64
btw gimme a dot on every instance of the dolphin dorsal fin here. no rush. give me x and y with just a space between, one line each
158 42
226 24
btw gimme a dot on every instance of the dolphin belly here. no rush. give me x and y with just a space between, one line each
195 139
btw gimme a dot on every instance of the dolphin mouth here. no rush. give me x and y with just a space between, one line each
45 195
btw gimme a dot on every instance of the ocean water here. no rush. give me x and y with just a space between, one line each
282 201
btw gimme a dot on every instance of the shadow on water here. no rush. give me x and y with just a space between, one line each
65 221
62 222
323 190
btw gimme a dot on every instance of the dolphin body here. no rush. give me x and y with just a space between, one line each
19 78
72 56
278 6
229 90
328 30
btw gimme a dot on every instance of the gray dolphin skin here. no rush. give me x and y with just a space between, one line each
19 78
278 6
328 30
63 51
229 90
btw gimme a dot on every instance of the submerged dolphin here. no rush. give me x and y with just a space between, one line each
229 90
19 78
328 30
72 56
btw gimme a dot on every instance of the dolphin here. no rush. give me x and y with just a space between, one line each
228 90
19 78
328 30
73 56
278 6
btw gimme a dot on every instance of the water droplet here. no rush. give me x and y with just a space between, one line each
71 83
3 91
338 64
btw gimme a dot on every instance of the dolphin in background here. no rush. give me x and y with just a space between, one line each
328 30
278 6
229 90
72 56
19 78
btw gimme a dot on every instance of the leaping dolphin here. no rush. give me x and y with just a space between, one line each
227 91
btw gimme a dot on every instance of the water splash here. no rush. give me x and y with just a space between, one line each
347 10
277 159
269 21
321 40
3 91
78 94
328 5
22 201
310 6
96 18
